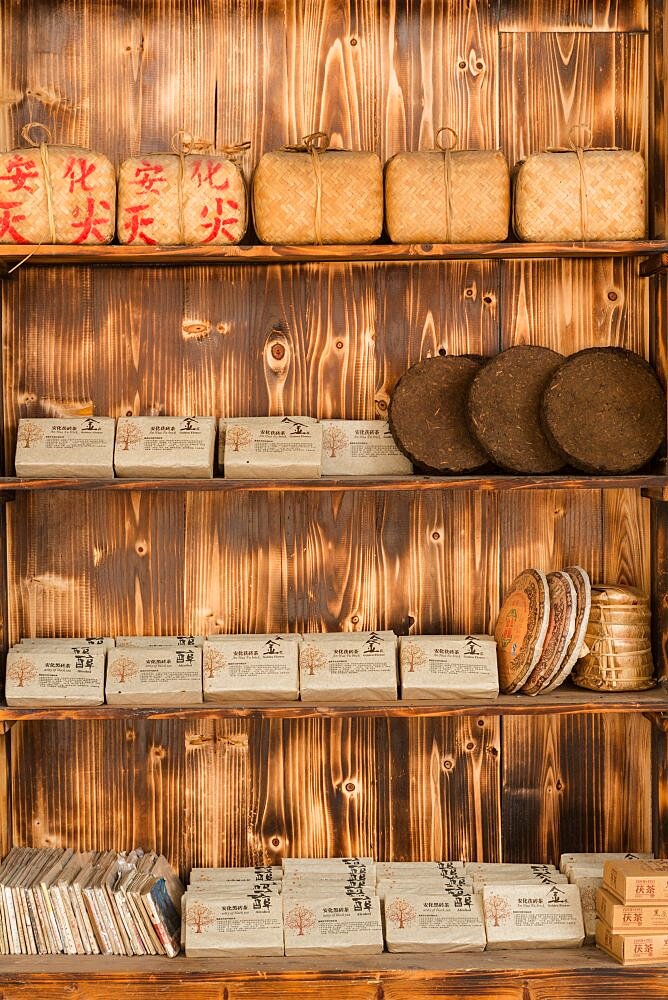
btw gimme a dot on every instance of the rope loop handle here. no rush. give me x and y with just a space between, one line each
27 130
588 136
315 142
452 145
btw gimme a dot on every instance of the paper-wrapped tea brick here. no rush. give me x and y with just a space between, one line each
246 668
445 870
641 948
81 447
588 886
453 886
56 194
180 641
361 448
421 921
511 870
98 641
154 675
165 447
270 447
448 667
630 918
637 881
350 666
247 925
536 916
57 677
231 876
596 861
332 925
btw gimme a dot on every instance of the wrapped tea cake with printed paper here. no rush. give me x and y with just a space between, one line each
421 920
155 675
361 448
248 925
532 916
332 925
56 677
55 194
239 668
448 667
181 641
193 196
348 666
81 447
165 447
270 447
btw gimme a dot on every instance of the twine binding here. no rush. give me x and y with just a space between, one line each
316 143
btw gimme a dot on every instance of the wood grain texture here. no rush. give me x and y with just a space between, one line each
570 15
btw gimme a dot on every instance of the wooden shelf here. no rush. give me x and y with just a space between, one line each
568 700
655 482
132 256
513 975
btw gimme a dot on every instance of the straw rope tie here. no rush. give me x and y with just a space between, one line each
44 156
316 143
448 206
185 144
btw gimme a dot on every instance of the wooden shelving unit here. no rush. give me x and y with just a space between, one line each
110 330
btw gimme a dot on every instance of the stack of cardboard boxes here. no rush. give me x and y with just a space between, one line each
632 911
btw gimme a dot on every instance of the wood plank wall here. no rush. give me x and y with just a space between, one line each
122 76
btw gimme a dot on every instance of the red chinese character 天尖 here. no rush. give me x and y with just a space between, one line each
204 172
20 170
91 221
149 175
217 223
77 171
136 223
8 221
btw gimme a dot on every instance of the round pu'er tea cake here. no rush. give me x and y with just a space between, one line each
582 585
427 415
605 411
560 630
504 409
521 628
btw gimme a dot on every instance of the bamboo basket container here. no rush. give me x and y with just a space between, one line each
56 194
309 194
189 197
581 193
447 195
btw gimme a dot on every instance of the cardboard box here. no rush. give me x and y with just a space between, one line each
334 925
633 949
156 675
534 916
637 881
56 678
628 918
81 447
246 668
179 641
244 926
421 921
271 447
356 667
361 448
448 668
165 447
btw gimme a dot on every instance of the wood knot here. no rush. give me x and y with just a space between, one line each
448 764
381 404
196 329
350 786
277 354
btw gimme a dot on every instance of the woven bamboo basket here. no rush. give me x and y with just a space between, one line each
313 195
618 639
447 195
56 194
189 197
581 194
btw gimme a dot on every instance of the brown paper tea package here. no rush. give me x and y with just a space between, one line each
419 870
247 925
533 916
56 677
165 447
181 641
270 447
228 877
430 886
99 642
597 861
348 666
81 447
361 448
333 925
423 921
154 676
448 667
251 668
334 867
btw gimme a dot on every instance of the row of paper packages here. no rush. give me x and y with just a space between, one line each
183 448
356 667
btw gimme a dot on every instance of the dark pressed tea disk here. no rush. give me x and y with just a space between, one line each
428 415
504 409
521 628
605 411
560 630
582 585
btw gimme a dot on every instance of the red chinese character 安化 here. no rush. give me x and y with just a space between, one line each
90 223
77 171
8 221
149 175
136 224
20 170
218 224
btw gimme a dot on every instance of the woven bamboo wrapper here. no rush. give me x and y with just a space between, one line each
181 199
428 200
617 662
56 194
549 197
320 197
